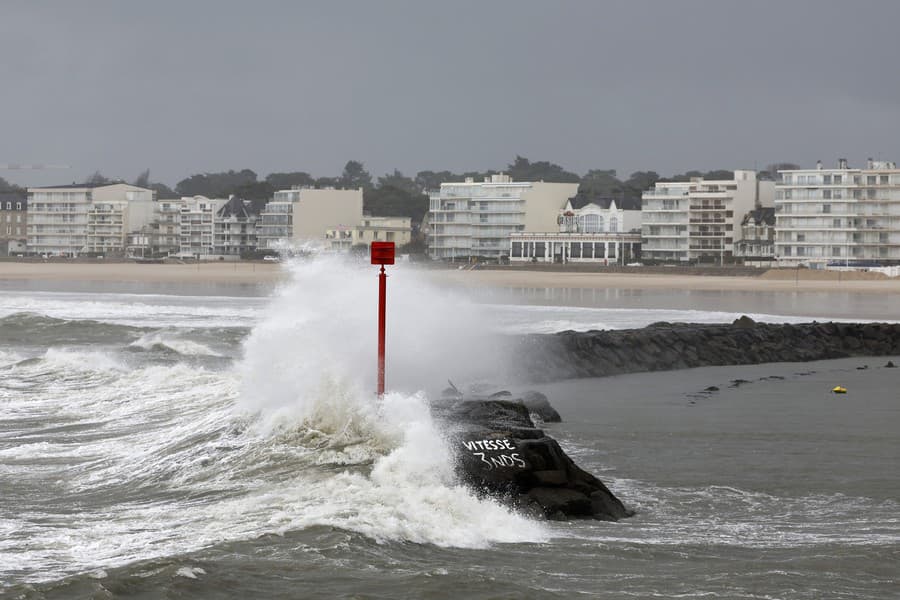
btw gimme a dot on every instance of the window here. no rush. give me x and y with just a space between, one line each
870 193
591 223
787 194
838 179
835 250
18 206
826 194
785 178
836 223
883 180
871 179
827 179
826 208
801 237
9 206
613 224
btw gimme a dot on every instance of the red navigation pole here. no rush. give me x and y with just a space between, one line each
382 254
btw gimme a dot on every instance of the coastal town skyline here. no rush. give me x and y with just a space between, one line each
670 87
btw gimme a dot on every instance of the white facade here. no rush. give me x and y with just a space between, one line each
599 232
74 219
840 215
477 219
371 229
166 238
306 214
197 227
699 220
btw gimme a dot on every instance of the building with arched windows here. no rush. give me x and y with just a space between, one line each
599 230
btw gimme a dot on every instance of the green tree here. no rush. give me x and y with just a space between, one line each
97 178
400 181
285 181
162 191
600 183
215 185
719 174
639 182
522 169
355 176
6 186
143 179
432 180
390 201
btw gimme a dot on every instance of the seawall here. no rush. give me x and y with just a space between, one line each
670 346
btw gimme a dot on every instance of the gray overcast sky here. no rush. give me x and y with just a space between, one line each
182 87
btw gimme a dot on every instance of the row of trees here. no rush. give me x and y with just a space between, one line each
395 194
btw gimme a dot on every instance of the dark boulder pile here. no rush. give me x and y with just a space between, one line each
670 346
500 452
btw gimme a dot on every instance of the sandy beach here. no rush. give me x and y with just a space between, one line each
212 272
258 272
771 281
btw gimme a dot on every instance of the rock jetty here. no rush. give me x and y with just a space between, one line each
500 452
670 346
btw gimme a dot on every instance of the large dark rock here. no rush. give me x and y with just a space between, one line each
501 452
668 346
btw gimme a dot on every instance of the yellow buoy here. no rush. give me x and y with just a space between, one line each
838 390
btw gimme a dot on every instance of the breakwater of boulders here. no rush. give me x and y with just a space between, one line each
671 346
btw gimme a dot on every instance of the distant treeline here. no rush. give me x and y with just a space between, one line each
395 194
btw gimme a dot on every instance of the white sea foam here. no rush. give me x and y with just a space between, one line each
137 310
293 438
181 346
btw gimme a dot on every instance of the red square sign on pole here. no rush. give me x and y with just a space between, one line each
382 253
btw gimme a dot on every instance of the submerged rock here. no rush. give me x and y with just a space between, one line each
500 452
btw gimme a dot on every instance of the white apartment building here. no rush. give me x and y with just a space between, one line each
477 219
699 220
599 230
371 229
166 234
73 219
306 214
843 215
197 227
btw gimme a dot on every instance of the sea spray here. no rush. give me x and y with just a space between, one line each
308 372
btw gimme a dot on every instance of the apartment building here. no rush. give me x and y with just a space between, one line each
234 229
305 214
476 219
13 223
371 229
73 219
838 215
197 227
598 230
699 220
165 237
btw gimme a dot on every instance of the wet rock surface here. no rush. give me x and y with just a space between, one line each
501 452
670 346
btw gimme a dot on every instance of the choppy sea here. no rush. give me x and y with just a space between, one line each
161 444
